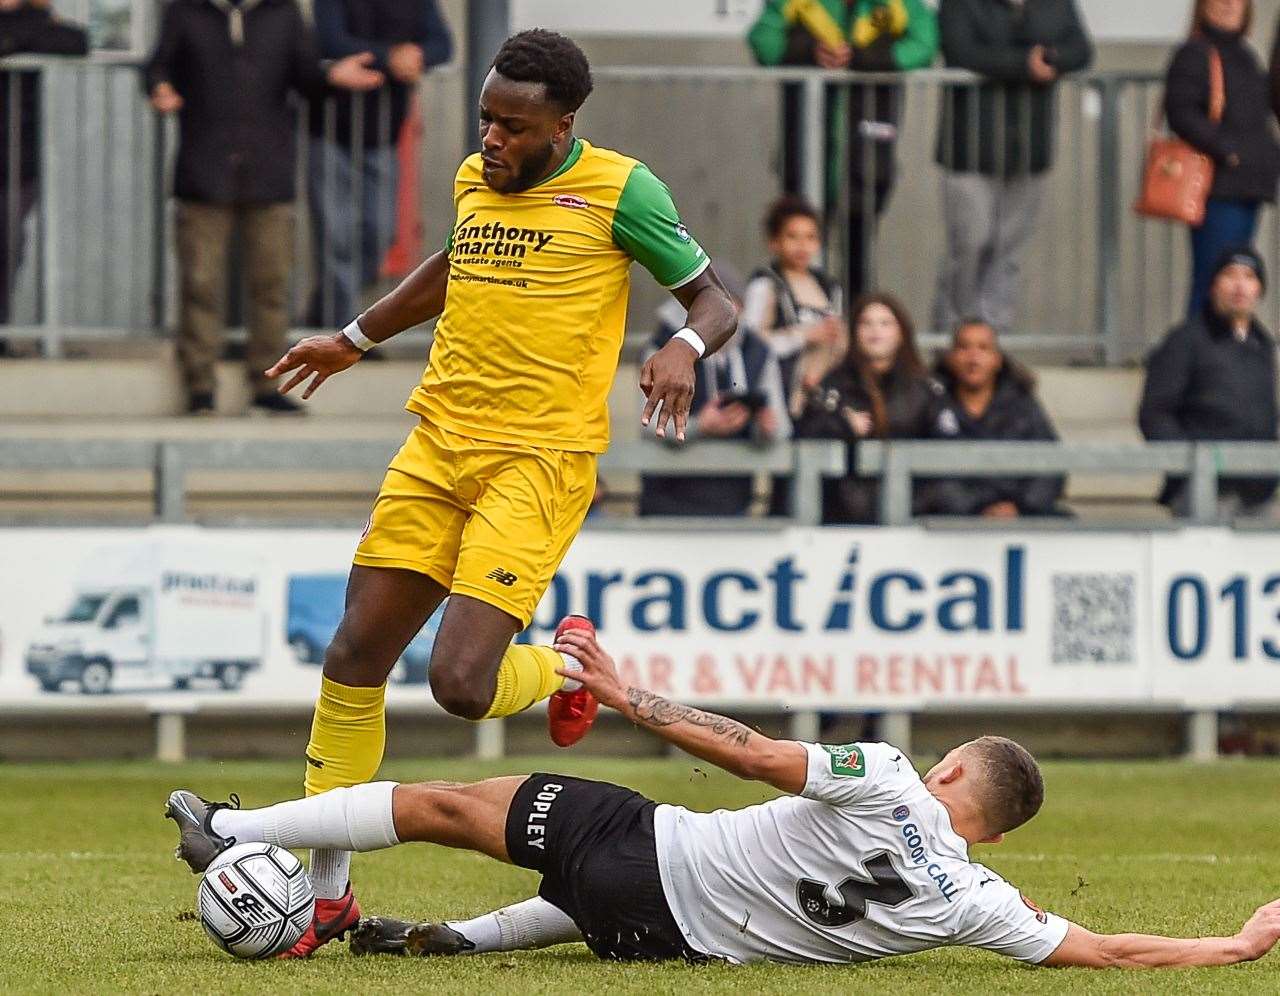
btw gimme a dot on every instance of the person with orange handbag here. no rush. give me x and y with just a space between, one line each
1243 144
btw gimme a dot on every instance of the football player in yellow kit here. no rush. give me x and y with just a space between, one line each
493 484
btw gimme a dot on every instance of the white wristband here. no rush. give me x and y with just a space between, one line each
358 339
688 335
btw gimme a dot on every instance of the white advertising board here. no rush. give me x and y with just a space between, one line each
804 618
1216 602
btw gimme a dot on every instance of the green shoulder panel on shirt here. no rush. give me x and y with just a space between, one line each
647 227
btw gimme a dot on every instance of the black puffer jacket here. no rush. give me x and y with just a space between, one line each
34 30
237 120
1243 146
912 403
1204 384
1005 126
1013 415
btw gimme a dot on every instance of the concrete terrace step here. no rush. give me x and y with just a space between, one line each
136 399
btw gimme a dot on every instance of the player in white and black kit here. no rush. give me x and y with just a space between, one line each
863 859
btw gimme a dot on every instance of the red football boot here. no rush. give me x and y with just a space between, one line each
332 920
570 714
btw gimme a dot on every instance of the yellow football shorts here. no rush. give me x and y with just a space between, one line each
488 520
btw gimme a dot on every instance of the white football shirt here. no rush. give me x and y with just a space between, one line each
862 865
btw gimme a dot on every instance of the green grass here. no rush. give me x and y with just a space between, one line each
94 902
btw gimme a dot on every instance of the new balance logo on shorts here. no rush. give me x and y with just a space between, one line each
504 578
536 825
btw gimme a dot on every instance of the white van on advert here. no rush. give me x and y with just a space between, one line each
158 614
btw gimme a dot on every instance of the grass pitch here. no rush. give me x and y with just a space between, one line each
94 901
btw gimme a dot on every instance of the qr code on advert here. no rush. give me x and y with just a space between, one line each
1093 618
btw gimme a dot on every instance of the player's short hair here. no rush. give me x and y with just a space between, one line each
783 210
541 56
1012 786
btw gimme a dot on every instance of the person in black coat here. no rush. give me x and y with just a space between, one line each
1214 377
880 391
228 69
406 37
990 397
26 26
995 144
1243 145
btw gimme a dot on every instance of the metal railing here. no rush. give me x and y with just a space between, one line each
1203 464
806 461
1100 283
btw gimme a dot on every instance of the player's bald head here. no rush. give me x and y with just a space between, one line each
1007 781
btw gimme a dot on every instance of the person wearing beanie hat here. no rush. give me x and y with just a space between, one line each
1245 256
1243 145
1214 378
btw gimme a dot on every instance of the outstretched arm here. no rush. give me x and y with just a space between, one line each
723 742
1084 949
667 377
418 298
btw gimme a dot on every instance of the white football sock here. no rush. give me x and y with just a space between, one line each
330 872
570 684
345 819
534 923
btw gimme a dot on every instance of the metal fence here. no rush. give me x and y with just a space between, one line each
1098 283
806 461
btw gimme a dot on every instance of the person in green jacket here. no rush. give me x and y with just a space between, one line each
881 36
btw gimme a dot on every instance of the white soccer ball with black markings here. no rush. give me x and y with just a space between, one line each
255 900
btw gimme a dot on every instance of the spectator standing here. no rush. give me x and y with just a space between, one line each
1214 378
228 68
738 395
882 36
1242 145
26 26
793 304
990 396
880 391
352 169
995 145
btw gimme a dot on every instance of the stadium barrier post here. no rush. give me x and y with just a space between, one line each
171 737
488 24
1204 485
52 293
804 725
810 460
491 740
170 483
1202 735
1109 219
159 221
895 487
812 171
895 728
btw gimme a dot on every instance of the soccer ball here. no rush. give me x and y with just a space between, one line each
255 900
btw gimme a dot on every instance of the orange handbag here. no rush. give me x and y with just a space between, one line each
1178 177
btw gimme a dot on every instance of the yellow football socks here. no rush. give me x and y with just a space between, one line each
525 676
348 735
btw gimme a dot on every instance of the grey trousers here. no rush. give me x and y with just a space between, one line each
990 222
204 231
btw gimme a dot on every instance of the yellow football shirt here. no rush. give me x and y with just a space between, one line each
528 344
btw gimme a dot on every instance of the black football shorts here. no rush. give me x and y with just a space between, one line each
594 845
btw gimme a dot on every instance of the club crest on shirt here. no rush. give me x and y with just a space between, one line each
569 201
1041 915
847 760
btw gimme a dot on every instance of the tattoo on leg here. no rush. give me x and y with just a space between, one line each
654 710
